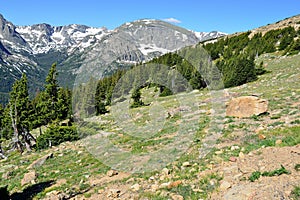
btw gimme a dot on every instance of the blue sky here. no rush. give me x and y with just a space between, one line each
227 16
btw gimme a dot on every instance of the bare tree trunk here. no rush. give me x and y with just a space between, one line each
16 142
28 137
2 153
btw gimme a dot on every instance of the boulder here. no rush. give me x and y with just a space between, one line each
39 162
246 106
29 178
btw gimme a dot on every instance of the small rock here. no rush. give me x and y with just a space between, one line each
100 191
212 182
111 173
29 178
135 187
234 148
174 184
278 142
225 185
259 129
186 164
176 197
164 185
114 193
241 155
165 171
232 159
261 136
192 170
218 152
78 161
154 187
131 180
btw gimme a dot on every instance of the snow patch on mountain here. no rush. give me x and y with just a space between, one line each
43 37
146 49
203 36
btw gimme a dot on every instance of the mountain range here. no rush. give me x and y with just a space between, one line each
33 49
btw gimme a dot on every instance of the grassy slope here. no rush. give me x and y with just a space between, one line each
74 164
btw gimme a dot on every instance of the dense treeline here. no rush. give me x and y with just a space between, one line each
21 115
235 56
273 40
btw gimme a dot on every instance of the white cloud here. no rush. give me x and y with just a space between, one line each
172 20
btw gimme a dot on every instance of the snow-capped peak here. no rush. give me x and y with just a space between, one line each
203 36
43 37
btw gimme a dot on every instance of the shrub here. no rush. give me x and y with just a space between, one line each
55 135
296 193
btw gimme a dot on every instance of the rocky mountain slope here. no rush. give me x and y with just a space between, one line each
32 49
247 146
255 156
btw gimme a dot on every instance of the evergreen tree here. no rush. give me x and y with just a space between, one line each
64 103
20 110
47 102
136 96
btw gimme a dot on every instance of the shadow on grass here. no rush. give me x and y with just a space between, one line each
29 192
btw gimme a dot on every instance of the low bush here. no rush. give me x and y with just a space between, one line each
55 135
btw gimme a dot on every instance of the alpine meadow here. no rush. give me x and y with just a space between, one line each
149 110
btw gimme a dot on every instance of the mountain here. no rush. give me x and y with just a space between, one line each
32 49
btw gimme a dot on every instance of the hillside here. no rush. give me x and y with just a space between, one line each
291 21
75 170
181 146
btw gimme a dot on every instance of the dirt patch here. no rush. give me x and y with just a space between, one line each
265 159
98 181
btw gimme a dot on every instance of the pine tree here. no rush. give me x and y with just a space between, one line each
20 110
64 104
47 104
136 96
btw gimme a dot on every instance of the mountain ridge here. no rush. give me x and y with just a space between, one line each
32 49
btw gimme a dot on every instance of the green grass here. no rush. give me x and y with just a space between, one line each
296 193
297 167
277 172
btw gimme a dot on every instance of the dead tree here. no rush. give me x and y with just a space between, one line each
2 153
20 131
16 143
27 138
